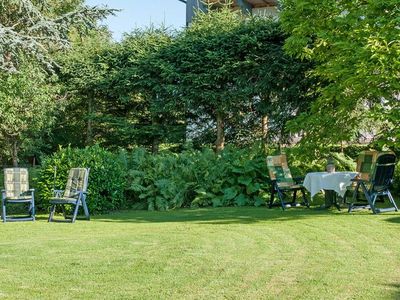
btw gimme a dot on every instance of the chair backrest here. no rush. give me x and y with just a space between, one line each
278 170
77 181
366 164
384 171
16 181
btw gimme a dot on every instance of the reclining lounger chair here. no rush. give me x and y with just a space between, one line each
377 184
74 194
16 183
282 182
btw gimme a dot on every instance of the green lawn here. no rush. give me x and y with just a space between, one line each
226 253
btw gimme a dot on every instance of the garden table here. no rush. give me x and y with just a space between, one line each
330 183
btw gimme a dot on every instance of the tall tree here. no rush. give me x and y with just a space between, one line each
137 81
230 70
26 105
33 29
119 93
82 70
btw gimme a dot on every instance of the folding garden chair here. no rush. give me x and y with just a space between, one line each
74 194
16 184
376 184
366 161
282 183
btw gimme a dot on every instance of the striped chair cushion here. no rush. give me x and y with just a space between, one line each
279 171
16 182
77 181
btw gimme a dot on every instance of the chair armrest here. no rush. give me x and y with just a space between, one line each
28 192
359 180
298 179
57 193
78 193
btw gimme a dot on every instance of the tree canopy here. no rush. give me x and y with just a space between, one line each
27 104
356 47
230 71
35 28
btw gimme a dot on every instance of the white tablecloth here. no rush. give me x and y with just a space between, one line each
336 181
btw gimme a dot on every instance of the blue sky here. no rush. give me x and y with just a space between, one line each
142 13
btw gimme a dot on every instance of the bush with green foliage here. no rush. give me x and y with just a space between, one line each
106 178
234 177
192 178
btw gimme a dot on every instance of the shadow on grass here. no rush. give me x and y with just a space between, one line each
395 288
232 215
394 220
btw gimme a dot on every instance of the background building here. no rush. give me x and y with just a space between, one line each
256 7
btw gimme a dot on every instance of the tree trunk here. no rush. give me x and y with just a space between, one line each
220 142
264 130
15 154
155 146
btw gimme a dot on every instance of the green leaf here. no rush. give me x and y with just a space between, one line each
252 188
241 200
229 193
245 180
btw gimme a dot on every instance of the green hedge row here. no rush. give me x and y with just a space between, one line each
192 178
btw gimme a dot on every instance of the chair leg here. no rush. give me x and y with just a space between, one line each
281 198
85 208
3 215
52 211
294 196
63 211
33 207
371 201
370 198
75 212
354 198
392 200
305 200
32 210
271 200
350 207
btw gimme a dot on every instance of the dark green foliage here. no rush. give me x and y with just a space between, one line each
106 178
235 177
231 71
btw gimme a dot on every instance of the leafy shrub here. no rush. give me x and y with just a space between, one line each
106 178
198 178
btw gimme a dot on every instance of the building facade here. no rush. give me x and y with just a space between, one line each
255 7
